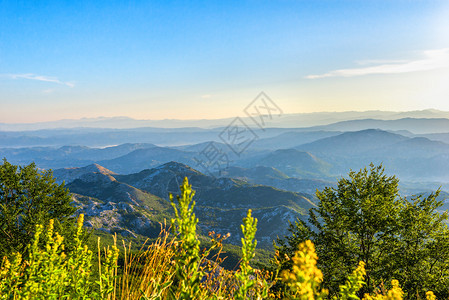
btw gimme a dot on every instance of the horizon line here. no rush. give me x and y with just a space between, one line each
98 118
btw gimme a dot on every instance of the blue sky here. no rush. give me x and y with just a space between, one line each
209 59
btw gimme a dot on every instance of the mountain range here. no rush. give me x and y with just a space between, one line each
121 177
135 204
412 158
287 120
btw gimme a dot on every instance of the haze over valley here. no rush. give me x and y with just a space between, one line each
120 178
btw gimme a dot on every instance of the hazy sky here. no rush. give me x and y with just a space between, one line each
209 59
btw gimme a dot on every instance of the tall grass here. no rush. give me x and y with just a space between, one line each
149 273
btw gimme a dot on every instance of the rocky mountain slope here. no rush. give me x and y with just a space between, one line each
134 204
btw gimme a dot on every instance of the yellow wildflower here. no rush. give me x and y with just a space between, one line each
395 293
305 278
430 296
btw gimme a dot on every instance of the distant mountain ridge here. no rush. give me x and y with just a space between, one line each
272 137
67 156
296 163
291 139
140 159
71 174
324 158
415 125
409 158
349 143
288 120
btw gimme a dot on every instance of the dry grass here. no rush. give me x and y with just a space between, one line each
150 272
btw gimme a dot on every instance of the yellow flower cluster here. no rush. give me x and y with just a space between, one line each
354 283
395 293
305 278
360 270
430 296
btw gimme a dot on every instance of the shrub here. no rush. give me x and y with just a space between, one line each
50 273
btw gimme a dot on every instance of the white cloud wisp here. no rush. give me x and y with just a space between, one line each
432 60
31 76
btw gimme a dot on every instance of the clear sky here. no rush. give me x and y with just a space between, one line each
209 59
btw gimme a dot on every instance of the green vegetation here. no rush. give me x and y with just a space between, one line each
364 242
246 275
28 198
365 219
188 254
170 268
51 273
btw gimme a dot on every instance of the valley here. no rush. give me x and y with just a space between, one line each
125 188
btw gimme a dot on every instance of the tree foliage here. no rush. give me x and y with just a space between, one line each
29 197
365 219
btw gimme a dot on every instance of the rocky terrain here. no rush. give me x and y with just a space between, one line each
135 204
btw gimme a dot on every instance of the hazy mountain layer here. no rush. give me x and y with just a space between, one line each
286 120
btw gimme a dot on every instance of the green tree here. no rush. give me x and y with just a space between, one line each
29 197
419 252
365 219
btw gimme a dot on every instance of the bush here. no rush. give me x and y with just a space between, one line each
51 273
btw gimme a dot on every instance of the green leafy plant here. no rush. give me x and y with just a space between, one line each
50 273
246 275
187 255
193 265
353 284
